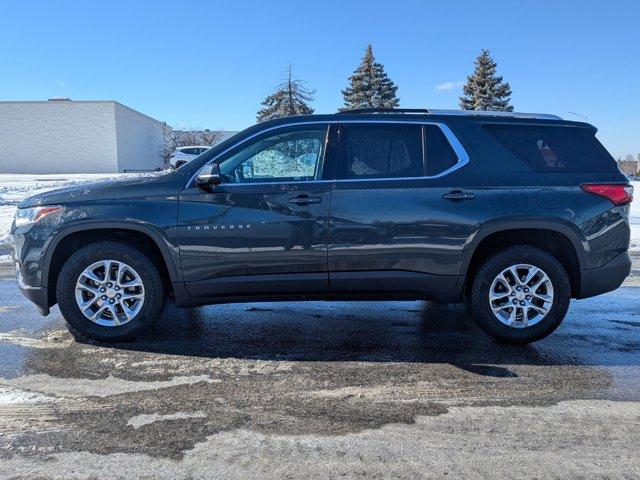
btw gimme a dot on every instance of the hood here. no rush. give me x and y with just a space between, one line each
144 186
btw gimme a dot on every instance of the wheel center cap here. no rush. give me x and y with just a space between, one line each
110 292
520 296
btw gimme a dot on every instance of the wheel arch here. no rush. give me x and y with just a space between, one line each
559 239
159 249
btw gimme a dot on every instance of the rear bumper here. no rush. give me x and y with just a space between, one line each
610 276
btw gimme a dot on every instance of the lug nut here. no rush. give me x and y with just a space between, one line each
111 301
528 297
109 284
117 288
104 297
118 296
526 290
103 289
522 304
513 293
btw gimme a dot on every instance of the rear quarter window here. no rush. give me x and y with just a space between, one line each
555 148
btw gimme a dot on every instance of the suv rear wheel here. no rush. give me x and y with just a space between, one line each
109 291
520 295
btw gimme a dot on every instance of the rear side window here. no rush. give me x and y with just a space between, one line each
555 149
440 156
384 151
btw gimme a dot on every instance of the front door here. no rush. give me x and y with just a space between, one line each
264 229
405 204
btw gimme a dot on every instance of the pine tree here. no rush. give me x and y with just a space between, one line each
370 86
485 89
289 98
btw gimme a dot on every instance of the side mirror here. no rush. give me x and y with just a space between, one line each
209 176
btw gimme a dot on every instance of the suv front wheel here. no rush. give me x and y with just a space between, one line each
520 295
110 291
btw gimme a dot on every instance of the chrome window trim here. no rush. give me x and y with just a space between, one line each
461 153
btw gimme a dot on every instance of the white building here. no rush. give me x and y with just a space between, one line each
64 136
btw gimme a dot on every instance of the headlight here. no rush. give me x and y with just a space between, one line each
26 216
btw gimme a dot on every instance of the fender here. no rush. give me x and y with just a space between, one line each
168 251
572 232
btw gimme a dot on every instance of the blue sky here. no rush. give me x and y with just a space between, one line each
208 64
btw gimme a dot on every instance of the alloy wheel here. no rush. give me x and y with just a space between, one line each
109 293
521 295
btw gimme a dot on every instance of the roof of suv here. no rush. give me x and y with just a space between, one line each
421 115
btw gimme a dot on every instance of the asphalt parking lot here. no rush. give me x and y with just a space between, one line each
324 390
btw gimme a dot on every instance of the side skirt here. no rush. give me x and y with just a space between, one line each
183 299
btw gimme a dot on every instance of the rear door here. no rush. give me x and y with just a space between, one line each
264 230
406 202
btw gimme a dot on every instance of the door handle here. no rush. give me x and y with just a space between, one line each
305 200
458 196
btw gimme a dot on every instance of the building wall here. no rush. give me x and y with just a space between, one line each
628 167
58 137
139 140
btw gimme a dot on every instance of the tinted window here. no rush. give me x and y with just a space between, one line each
439 154
289 156
555 149
384 151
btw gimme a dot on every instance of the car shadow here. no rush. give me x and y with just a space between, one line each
406 332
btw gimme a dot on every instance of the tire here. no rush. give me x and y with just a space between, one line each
515 329
138 270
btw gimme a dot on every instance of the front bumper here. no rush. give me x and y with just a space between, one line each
29 245
610 276
38 295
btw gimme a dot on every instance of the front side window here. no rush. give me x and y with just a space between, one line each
288 156
384 151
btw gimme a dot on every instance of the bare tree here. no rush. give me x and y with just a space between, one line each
291 97
174 139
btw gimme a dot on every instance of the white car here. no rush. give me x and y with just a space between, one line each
183 155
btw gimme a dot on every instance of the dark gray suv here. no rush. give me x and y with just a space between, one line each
514 214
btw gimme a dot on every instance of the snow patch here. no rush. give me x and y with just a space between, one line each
15 396
6 218
634 218
147 419
104 387
53 340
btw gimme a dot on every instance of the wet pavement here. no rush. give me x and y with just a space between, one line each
321 389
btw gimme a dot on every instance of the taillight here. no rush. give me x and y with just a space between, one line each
618 194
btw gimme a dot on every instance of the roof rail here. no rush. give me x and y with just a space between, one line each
495 113
385 110
462 113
